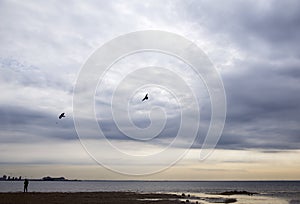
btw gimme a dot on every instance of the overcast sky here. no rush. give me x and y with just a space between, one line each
254 45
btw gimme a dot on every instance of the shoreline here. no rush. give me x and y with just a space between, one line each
123 197
87 197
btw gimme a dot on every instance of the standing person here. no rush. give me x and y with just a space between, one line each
26 182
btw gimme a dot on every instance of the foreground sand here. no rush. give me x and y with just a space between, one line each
87 197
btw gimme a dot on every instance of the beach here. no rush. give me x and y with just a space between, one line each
275 192
129 197
87 197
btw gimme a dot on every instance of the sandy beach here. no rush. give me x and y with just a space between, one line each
87 197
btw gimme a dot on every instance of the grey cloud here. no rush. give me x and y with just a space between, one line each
263 107
54 39
256 27
23 124
13 71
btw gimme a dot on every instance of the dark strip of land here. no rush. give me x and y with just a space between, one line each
87 197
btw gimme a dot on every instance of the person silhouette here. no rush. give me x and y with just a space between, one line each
26 182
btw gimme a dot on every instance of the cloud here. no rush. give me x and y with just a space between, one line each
253 44
27 125
263 109
260 77
257 28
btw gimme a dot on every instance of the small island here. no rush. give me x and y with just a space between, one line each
48 178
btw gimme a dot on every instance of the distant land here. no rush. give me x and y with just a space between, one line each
49 178
46 178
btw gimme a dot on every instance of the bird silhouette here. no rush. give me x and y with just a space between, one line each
61 116
145 98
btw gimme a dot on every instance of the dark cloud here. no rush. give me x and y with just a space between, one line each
26 125
263 107
270 28
111 130
262 87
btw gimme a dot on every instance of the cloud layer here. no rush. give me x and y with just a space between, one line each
253 44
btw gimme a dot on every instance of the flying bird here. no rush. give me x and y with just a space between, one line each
145 98
61 116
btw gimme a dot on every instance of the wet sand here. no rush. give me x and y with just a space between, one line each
87 197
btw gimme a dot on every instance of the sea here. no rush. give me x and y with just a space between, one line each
274 192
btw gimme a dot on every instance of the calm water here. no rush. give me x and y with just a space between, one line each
283 189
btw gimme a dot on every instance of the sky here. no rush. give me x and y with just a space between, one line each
253 45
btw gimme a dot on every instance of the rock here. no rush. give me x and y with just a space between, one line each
237 193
